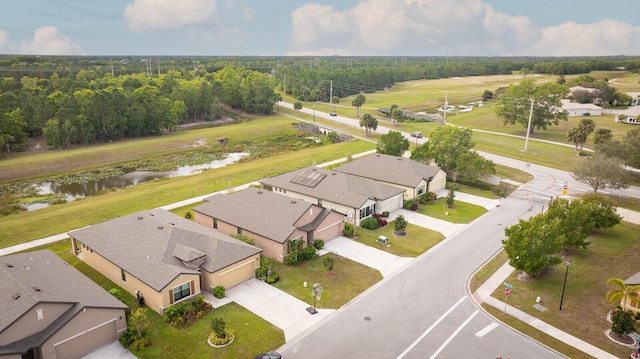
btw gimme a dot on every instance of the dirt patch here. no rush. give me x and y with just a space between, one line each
625 340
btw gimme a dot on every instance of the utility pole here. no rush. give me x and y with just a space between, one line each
446 105
331 95
526 141
113 74
284 84
158 67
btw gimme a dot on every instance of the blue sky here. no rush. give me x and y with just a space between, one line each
322 28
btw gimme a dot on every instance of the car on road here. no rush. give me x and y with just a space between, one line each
333 114
416 134
269 355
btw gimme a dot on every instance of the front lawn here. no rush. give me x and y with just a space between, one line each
612 253
417 241
461 212
346 280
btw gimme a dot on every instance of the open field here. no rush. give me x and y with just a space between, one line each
584 306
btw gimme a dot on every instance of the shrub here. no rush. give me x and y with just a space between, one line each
584 153
172 313
290 259
226 337
369 223
382 222
385 214
328 263
623 322
116 293
219 292
307 253
244 238
411 204
188 215
272 278
400 223
318 244
333 137
348 230
218 326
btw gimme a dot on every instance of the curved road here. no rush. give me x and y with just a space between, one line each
425 310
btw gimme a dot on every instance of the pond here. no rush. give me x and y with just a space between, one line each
75 191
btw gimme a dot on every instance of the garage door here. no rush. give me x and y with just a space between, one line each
330 232
87 342
237 275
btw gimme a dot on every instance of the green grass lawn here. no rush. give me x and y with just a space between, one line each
584 306
344 282
476 191
417 241
461 212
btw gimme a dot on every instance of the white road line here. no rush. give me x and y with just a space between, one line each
406 351
453 335
486 330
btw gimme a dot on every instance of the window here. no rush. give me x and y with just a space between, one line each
239 230
180 292
40 314
319 202
215 223
420 190
123 274
367 211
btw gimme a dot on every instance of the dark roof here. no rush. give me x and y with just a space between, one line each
390 169
151 245
30 278
345 189
260 211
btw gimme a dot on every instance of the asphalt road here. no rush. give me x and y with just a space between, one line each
425 311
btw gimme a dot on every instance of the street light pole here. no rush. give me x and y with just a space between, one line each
565 283
526 141
314 114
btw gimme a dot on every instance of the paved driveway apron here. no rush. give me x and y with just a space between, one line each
386 263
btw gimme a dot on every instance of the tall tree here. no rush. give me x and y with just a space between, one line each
601 135
533 245
515 106
576 221
369 123
358 101
447 144
297 106
393 143
472 166
422 153
600 171
578 138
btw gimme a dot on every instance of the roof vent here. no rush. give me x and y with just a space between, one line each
148 257
378 155
15 295
259 192
27 268
37 289
314 169
171 223
140 217
160 227
399 158
333 173
293 202
9 265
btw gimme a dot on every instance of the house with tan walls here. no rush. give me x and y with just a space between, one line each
355 197
633 301
414 177
52 311
163 258
270 219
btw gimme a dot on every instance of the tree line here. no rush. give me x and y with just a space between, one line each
89 107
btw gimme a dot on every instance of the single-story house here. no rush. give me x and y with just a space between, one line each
633 302
272 220
575 109
163 258
412 176
353 196
52 311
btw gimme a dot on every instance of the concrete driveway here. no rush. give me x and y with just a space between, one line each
273 305
386 263
114 350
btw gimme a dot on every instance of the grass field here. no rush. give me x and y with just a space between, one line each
584 306
461 212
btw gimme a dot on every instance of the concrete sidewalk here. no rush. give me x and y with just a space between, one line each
446 228
487 203
483 295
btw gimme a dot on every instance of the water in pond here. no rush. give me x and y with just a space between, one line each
75 191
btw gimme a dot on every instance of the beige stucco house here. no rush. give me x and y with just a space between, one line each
164 258
414 177
272 220
353 196
49 310
633 302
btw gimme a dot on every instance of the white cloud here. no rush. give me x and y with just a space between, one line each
4 41
247 13
164 14
459 27
48 40
602 38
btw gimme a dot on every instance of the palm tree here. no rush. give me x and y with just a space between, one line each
622 292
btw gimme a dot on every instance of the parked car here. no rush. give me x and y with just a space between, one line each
269 355
333 114
416 134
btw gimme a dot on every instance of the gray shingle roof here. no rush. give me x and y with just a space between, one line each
144 243
27 279
260 211
390 169
633 280
342 188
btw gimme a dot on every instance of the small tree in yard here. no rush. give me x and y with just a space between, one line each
450 196
221 335
623 322
328 263
297 106
400 224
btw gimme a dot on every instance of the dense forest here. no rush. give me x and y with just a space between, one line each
82 100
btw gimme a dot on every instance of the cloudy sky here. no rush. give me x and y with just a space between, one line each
322 28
